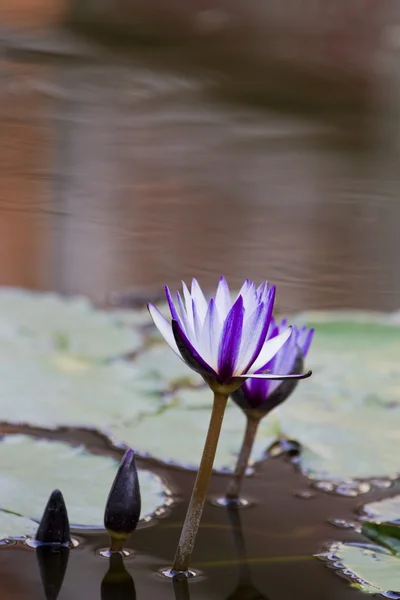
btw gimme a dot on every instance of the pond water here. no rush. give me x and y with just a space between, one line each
119 175
264 551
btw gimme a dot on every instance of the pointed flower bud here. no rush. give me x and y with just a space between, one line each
124 501
54 526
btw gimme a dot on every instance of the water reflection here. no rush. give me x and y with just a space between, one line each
52 562
117 583
181 587
245 589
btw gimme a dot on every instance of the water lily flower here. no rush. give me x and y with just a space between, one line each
223 340
226 341
258 397
262 395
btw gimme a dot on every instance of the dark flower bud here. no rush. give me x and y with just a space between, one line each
54 526
124 502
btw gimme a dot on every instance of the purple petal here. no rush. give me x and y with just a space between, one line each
211 334
164 327
174 312
305 341
188 303
263 331
229 344
196 321
185 319
189 353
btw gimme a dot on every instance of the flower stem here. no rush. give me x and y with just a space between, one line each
234 487
195 510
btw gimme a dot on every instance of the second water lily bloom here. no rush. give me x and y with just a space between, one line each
224 340
260 396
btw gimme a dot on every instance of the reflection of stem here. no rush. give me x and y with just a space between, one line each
181 587
238 539
249 436
117 582
195 510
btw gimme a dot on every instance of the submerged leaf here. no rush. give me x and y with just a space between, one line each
29 466
386 534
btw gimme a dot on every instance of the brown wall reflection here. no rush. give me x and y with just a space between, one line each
119 176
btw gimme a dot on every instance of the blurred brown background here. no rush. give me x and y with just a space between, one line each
145 142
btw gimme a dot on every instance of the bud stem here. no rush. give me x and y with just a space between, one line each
234 487
195 510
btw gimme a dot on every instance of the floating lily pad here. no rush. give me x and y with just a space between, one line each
384 510
53 373
158 362
346 415
338 415
370 568
15 526
71 324
30 469
177 433
58 389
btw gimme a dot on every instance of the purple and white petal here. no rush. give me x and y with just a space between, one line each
260 334
211 334
198 297
223 298
188 304
187 326
189 353
164 327
229 344
270 348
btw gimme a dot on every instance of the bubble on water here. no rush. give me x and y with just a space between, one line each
353 488
382 483
324 486
305 494
168 573
349 488
236 502
343 523
34 543
107 553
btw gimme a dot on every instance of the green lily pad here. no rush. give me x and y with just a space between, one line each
158 362
59 389
30 469
71 324
346 415
371 569
177 433
383 510
386 534
15 526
